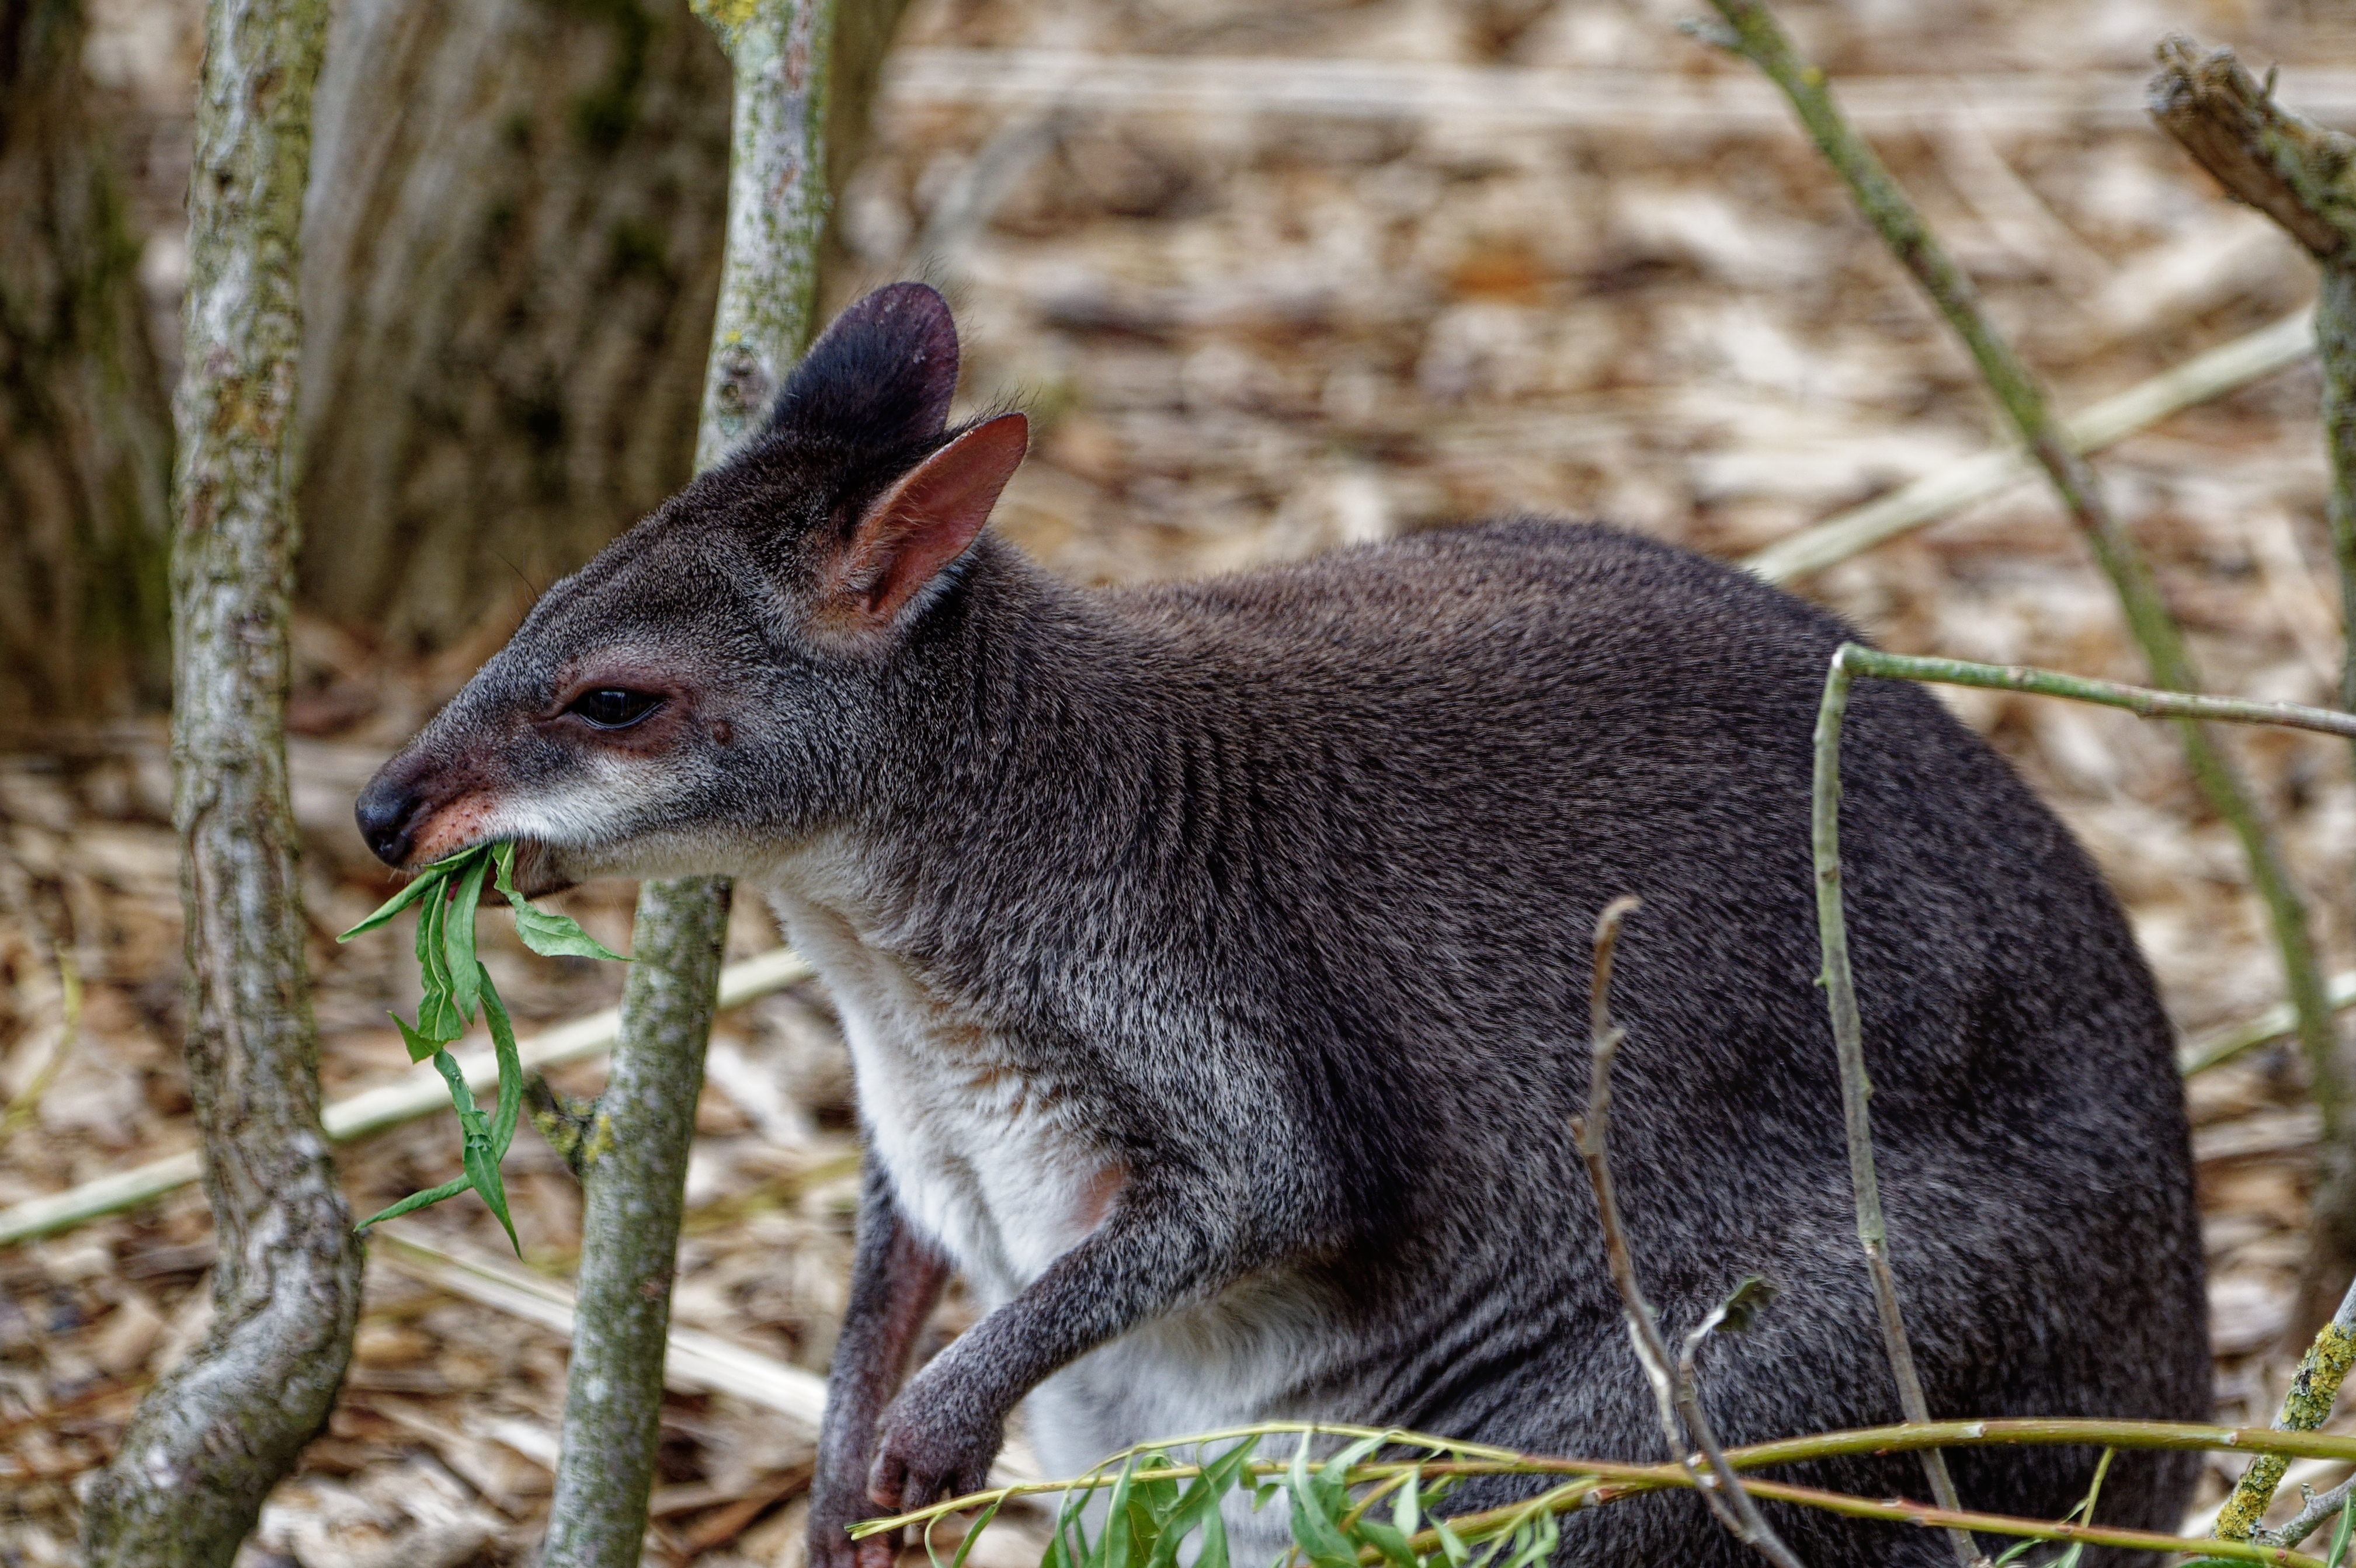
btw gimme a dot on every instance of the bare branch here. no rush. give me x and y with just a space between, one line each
2288 167
2314 1388
1848 1039
2319 1510
2302 175
1753 33
1721 1490
2316 1384
2141 700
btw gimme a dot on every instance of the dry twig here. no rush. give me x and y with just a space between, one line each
1682 1422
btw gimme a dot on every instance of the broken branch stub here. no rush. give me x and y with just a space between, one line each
2288 167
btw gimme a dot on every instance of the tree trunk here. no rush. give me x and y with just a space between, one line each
509 258
219 1429
633 1188
632 1195
85 448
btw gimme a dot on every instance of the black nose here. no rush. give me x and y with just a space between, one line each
385 812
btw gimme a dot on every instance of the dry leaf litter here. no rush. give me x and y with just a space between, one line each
1244 335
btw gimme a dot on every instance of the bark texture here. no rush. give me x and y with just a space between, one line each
85 439
217 1432
635 1166
511 254
509 258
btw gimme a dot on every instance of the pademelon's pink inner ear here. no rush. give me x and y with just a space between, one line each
913 530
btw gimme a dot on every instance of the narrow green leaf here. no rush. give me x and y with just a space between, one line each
1198 1505
462 1099
1407 1508
482 1165
437 1008
2338 1555
1214 1553
1152 1498
1536 1541
552 935
437 1018
415 1201
503 1049
483 1169
458 939
1335 1473
558 935
972 1533
1156 1490
1114 1544
427 938
1069 1549
420 1045
1450 1544
1314 1528
1392 1544
425 881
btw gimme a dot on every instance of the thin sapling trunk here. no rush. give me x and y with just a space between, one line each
634 1162
216 1434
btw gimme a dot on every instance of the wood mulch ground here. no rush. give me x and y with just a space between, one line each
1248 335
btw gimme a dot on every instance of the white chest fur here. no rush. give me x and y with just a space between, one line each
987 1157
997 1166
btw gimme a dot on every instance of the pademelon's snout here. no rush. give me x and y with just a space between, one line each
387 811
419 808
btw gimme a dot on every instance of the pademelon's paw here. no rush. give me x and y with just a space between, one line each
838 1502
929 1448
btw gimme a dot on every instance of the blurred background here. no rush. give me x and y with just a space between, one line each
1271 279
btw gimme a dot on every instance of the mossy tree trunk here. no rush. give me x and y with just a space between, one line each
510 259
218 1430
511 254
85 437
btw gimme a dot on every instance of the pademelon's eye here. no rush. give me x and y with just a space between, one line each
614 707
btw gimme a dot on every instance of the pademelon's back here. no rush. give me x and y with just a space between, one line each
1484 735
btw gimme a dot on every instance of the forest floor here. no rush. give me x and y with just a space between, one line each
1248 334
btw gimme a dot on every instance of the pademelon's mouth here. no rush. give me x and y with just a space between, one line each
536 876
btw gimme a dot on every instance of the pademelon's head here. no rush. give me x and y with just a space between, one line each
708 685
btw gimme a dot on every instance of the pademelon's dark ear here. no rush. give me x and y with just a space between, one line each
883 372
910 534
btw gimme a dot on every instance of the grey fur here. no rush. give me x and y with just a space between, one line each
1272 893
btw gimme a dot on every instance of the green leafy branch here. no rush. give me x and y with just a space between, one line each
1158 1500
455 985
